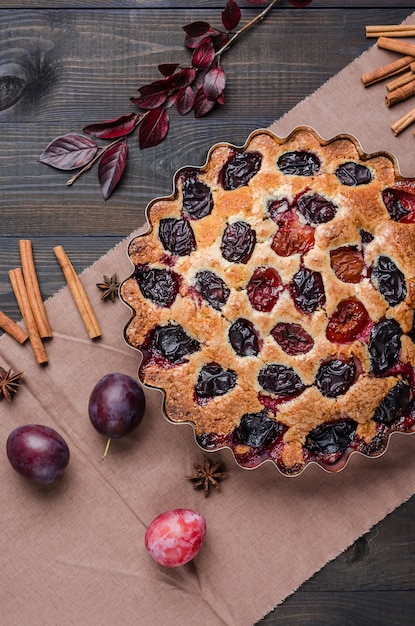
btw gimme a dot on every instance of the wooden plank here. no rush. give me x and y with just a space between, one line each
370 583
77 52
366 608
362 566
196 4
67 56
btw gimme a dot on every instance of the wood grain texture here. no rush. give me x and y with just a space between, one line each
371 583
75 67
194 4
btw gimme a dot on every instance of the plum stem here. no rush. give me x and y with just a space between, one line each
104 456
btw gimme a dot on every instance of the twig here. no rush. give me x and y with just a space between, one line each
248 25
93 161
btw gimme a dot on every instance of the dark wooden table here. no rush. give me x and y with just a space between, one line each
80 64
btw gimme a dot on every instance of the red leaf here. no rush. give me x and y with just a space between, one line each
203 56
220 40
221 98
167 69
152 96
202 105
153 128
231 15
111 167
114 128
171 100
69 152
200 79
185 100
196 29
183 79
154 87
195 42
214 83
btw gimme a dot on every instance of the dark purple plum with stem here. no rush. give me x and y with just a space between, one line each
116 406
38 453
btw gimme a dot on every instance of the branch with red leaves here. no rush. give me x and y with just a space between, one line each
197 87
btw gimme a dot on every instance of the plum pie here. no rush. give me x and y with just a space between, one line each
273 298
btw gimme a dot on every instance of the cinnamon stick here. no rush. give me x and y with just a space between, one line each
33 289
403 122
386 71
374 28
403 47
78 293
400 94
392 32
402 80
20 292
12 329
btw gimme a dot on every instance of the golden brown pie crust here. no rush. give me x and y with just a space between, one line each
359 208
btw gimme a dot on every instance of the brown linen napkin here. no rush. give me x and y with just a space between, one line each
74 553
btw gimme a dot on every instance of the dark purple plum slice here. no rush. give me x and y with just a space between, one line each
177 236
389 281
299 163
353 174
400 205
244 338
384 345
335 377
214 380
394 404
161 286
197 197
238 242
281 380
331 438
316 209
257 429
173 343
307 290
239 169
212 288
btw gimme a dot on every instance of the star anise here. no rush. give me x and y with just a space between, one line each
207 475
109 287
9 383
